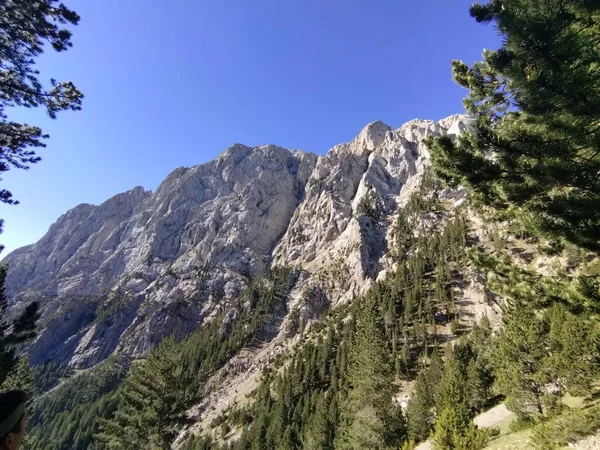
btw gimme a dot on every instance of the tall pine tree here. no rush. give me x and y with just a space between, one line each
25 27
153 406
534 147
13 334
522 360
367 418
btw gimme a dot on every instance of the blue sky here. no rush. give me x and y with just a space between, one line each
172 84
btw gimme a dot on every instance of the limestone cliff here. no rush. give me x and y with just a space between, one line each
120 276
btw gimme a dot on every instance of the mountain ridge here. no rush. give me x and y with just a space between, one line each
122 275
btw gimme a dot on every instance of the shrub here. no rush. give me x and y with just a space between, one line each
566 429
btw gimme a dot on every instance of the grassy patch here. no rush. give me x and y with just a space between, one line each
574 402
514 441
566 428
504 425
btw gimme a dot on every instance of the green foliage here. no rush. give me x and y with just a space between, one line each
575 343
551 348
419 412
369 204
67 417
27 25
199 443
48 375
13 334
367 415
19 378
461 384
455 431
408 445
152 404
579 292
479 384
567 428
451 393
454 325
159 389
535 105
338 384
521 357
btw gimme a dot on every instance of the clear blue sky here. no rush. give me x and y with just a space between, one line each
174 83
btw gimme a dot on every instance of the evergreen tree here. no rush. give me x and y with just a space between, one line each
25 26
453 432
521 359
451 392
403 362
152 404
435 372
366 416
575 344
48 375
419 412
66 418
479 383
19 378
480 334
13 334
319 432
450 424
534 147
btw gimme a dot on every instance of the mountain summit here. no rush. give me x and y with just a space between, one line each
123 275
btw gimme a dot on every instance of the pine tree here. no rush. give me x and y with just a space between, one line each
574 340
152 405
479 383
27 25
453 432
419 411
449 425
480 334
403 361
319 432
435 371
521 359
534 147
451 393
19 377
13 334
366 419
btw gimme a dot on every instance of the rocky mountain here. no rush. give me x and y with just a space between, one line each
121 276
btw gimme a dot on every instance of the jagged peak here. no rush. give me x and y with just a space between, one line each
237 152
416 123
137 193
456 124
370 137
447 122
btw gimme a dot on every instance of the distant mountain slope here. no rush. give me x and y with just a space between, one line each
123 275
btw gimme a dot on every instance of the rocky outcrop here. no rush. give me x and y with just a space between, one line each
341 229
122 275
141 266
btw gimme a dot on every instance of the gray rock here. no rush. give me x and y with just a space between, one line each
121 276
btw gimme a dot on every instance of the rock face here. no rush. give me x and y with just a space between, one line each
122 275
341 229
